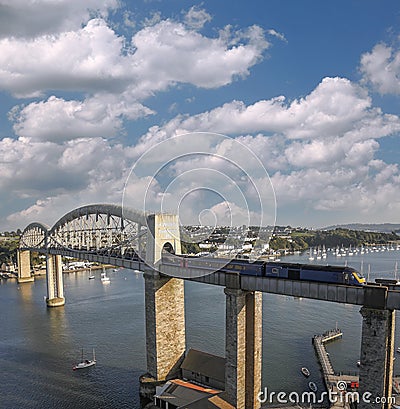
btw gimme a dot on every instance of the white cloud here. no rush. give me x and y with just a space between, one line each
168 53
320 150
55 178
196 17
274 33
153 19
31 169
31 18
86 60
335 108
381 68
58 120
94 59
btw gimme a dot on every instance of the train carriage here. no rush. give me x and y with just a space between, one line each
292 271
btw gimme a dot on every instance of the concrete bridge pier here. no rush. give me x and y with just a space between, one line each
55 284
377 350
243 348
24 266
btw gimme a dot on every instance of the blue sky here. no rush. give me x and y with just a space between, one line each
311 88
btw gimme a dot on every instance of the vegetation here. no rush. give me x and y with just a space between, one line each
8 248
190 248
301 240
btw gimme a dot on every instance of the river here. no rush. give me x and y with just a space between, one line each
39 346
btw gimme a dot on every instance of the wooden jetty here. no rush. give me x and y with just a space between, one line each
331 378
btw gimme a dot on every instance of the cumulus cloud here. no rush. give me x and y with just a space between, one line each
168 53
320 150
336 107
94 59
31 18
58 120
30 168
81 53
88 59
55 178
381 68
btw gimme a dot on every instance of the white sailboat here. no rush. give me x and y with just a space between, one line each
104 278
85 363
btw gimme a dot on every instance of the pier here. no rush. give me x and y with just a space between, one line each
323 357
331 378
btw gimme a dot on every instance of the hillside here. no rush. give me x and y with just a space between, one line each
379 228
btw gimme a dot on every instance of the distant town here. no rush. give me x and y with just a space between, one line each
266 242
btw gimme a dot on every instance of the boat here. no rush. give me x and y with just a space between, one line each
92 277
85 363
104 278
398 350
305 372
312 386
358 363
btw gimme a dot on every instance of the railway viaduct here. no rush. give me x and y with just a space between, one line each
127 238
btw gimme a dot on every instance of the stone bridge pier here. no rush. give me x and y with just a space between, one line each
377 350
164 306
243 348
55 286
24 266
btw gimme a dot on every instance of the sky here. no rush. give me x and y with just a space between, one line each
281 110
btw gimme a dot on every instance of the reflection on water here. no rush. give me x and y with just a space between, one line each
39 346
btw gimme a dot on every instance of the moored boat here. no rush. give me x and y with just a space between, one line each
305 372
85 363
104 278
313 386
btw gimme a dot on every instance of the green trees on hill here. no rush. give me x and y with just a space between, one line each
346 237
301 240
8 248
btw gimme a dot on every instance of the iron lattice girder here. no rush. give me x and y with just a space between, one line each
92 227
34 236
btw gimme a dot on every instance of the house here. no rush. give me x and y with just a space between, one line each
202 385
204 368
178 394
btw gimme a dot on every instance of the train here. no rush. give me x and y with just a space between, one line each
292 271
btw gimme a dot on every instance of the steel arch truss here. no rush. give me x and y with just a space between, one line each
34 237
101 229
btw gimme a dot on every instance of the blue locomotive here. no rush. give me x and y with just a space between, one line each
292 271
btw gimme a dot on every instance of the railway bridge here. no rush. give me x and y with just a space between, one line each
132 239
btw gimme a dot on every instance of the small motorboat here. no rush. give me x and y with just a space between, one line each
85 363
305 372
398 350
92 277
313 386
358 363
